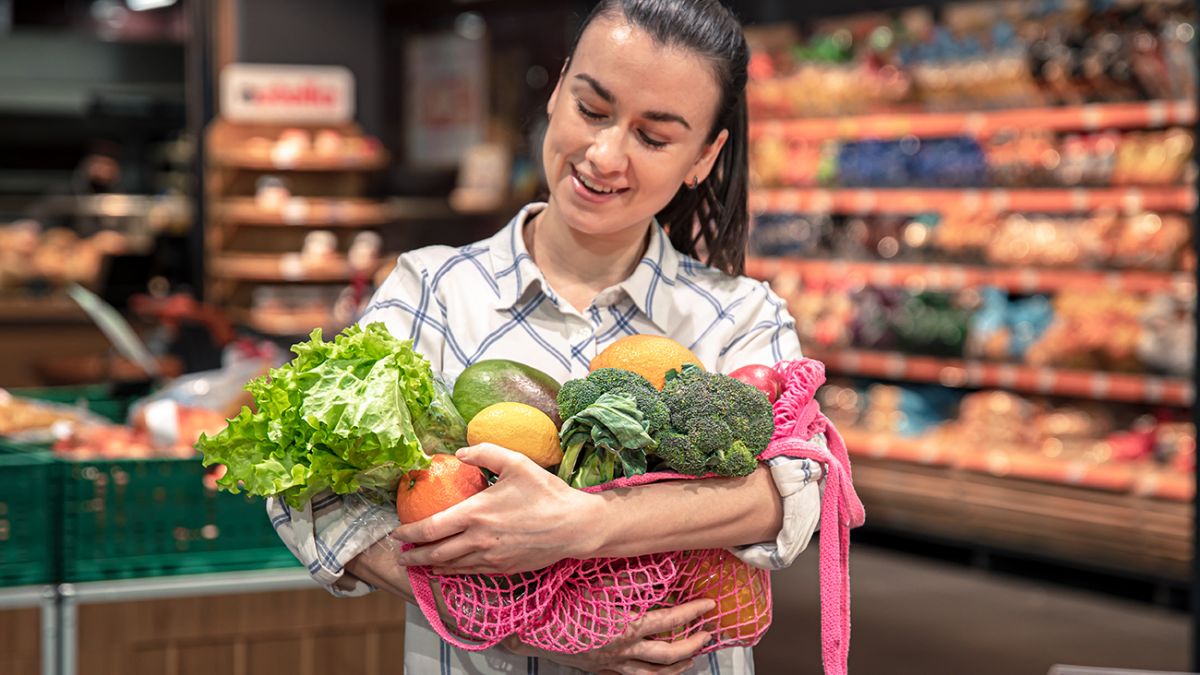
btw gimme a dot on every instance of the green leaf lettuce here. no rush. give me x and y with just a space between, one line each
339 416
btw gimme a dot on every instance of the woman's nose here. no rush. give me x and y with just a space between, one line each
607 151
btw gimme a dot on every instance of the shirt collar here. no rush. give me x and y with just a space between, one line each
512 266
650 286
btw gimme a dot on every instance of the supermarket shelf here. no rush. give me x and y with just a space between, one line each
1140 479
279 325
978 374
301 212
1098 529
282 268
949 277
223 583
255 161
903 200
1141 115
52 309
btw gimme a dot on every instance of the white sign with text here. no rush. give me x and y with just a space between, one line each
280 93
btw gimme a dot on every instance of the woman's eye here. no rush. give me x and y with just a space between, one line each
591 115
651 142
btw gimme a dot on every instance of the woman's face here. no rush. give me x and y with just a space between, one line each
629 123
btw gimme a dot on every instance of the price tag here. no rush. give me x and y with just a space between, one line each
972 200
291 266
1001 199
1093 118
822 201
1045 380
284 155
1156 114
295 211
1155 389
974 124
864 201
1132 201
1078 199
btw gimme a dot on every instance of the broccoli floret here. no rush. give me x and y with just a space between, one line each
575 395
611 419
717 424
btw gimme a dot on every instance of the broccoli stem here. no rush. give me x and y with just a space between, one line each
570 458
608 466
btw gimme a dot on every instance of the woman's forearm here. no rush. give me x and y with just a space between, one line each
686 515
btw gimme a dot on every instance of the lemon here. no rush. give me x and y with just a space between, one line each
518 427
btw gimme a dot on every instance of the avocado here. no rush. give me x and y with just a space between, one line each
497 380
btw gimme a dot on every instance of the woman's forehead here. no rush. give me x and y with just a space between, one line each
628 62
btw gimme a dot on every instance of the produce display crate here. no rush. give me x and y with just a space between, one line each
155 517
28 500
102 400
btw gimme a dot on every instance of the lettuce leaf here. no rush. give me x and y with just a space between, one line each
339 416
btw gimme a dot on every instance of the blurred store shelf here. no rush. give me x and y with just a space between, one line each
281 267
1096 117
949 277
255 161
919 200
957 373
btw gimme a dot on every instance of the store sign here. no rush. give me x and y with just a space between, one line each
277 93
446 107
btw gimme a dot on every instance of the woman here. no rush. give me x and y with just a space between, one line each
645 158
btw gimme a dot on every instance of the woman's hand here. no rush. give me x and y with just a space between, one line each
378 566
634 653
527 520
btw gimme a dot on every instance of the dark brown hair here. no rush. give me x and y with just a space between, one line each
713 218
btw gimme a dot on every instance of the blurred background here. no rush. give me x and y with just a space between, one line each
981 215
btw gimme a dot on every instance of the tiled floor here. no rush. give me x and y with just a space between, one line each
915 616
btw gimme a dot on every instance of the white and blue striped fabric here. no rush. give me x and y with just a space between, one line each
489 300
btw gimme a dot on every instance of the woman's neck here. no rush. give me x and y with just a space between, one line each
578 266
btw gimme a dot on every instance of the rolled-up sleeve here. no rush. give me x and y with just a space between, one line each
331 530
766 334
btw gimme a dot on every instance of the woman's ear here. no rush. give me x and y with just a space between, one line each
557 85
708 157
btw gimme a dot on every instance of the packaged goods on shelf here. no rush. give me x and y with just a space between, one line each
1000 56
1103 239
983 423
1010 158
33 256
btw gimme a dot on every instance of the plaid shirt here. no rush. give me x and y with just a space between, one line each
489 300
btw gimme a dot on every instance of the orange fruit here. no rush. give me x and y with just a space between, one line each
651 356
742 594
447 481
519 427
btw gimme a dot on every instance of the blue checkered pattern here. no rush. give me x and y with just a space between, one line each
489 300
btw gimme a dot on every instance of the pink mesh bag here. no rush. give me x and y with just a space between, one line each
580 605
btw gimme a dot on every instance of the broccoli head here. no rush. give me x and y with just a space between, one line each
576 395
717 424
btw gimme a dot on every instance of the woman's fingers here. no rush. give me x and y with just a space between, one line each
634 667
663 652
660 620
438 553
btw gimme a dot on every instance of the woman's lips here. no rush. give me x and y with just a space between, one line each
586 194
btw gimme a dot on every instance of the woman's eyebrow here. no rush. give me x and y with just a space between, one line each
656 115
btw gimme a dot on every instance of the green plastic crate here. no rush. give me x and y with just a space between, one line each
155 517
98 398
28 498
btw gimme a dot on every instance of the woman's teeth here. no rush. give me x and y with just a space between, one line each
592 186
